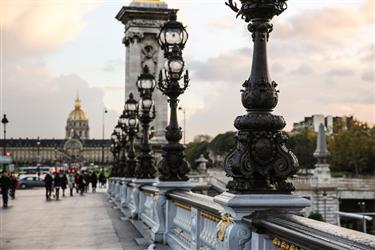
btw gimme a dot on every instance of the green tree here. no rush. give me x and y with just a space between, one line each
223 143
353 150
197 147
303 145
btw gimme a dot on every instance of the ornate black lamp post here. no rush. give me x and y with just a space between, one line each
172 38
115 149
261 162
146 114
121 128
132 130
5 121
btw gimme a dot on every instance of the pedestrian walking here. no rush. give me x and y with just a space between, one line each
81 182
71 182
76 180
102 179
86 179
13 185
57 181
48 185
5 183
64 182
94 181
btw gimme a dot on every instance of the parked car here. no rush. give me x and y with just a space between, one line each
30 182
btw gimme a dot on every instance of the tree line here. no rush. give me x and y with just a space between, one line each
352 149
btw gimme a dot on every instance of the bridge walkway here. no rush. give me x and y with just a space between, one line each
78 223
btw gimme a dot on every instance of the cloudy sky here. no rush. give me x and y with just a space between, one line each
321 55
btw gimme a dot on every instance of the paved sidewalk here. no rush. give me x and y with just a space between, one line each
87 222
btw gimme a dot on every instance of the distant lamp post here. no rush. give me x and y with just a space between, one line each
325 205
38 158
105 111
173 81
146 114
5 121
115 151
184 121
122 123
131 114
261 161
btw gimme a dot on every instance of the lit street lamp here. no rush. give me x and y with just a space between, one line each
173 81
146 114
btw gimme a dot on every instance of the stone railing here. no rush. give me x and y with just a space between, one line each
296 232
182 219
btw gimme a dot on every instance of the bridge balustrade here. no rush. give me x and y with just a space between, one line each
184 220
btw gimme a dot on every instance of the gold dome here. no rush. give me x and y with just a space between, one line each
77 114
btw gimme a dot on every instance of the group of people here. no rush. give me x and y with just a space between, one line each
78 181
8 185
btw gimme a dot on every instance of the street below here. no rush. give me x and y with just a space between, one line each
78 222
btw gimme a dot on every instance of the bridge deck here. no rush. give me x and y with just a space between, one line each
87 222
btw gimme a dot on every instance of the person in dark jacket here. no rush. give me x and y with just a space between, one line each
5 183
81 182
13 186
57 182
102 179
86 180
94 181
48 185
64 182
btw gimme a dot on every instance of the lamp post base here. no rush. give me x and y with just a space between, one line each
241 205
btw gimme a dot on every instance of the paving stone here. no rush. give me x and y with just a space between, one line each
77 223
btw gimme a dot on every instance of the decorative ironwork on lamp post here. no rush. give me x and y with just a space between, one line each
173 82
121 128
260 162
146 114
132 130
115 149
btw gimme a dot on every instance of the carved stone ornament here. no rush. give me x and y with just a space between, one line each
149 55
260 162
131 37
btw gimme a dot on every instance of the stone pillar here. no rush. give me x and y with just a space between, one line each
142 20
322 171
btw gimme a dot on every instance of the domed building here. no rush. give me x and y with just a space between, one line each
77 123
75 147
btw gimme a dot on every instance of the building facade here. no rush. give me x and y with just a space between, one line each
76 147
332 124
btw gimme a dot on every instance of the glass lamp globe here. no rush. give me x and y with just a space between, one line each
132 122
146 104
175 66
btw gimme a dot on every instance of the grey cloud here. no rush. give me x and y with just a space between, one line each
369 75
228 67
112 65
339 72
367 98
38 104
303 69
